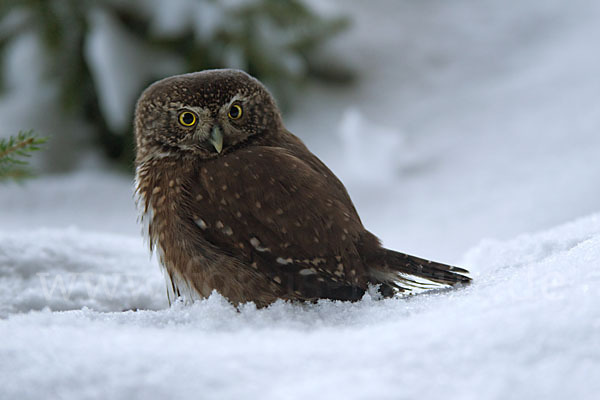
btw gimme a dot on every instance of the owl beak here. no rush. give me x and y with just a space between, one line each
216 138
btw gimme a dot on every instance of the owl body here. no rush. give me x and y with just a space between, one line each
235 203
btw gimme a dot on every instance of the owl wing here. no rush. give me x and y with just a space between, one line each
281 216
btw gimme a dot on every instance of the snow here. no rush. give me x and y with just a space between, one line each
67 269
122 65
475 142
498 108
528 328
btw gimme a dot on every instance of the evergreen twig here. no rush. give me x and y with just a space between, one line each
13 154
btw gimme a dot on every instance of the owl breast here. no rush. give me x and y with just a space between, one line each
194 266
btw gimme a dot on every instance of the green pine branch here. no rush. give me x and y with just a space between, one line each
13 154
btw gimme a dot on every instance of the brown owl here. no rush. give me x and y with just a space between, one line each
233 202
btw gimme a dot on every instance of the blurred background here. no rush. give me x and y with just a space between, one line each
449 122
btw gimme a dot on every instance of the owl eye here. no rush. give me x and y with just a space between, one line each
187 118
235 112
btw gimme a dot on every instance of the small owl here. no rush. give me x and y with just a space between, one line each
233 202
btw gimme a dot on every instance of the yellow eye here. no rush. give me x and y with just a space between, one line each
187 118
235 112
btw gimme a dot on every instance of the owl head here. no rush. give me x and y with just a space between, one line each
205 114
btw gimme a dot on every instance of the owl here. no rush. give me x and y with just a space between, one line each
233 202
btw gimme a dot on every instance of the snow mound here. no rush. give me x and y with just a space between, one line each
67 269
527 328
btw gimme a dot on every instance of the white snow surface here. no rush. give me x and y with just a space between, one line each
472 138
528 328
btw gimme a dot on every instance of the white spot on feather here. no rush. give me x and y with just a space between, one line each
307 271
256 244
200 222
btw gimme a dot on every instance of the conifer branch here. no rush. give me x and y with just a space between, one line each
14 151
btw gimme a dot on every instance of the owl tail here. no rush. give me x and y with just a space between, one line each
405 272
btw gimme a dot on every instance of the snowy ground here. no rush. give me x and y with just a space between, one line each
528 328
472 138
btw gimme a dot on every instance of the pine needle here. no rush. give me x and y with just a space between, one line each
13 154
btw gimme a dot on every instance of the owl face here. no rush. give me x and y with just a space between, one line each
206 114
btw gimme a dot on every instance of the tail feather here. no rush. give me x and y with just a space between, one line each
404 272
